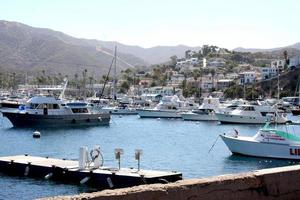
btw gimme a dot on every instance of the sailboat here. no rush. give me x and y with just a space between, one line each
117 107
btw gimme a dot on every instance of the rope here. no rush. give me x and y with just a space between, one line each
213 144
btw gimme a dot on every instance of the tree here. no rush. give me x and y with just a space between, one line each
124 87
173 60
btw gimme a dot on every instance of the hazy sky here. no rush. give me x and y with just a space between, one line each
147 23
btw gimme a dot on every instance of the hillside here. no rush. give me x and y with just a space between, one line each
154 55
30 49
254 50
25 48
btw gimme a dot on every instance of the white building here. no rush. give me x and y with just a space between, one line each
294 62
268 72
247 77
176 79
163 91
224 83
278 64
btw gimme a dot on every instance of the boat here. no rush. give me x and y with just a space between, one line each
206 112
12 103
49 111
296 111
121 109
267 142
168 107
252 114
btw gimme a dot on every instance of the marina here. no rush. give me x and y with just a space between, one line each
184 149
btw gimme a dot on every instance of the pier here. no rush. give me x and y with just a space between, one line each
68 171
275 183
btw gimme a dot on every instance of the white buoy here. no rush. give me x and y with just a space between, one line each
36 134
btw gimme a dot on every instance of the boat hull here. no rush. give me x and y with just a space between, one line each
238 119
296 112
158 114
33 120
198 117
119 111
249 147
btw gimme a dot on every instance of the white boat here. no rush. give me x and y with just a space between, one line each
267 142
252 114
206 112
49 111
168 107
119 110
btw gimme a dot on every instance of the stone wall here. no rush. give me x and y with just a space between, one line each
274 183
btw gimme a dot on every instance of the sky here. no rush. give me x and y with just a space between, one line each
148 23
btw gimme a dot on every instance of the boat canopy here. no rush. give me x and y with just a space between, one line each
44 100
282 134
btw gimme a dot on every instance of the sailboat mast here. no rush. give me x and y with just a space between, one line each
115 76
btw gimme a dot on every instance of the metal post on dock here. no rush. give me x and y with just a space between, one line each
138 153
118 153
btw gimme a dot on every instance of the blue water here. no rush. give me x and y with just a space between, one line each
167 145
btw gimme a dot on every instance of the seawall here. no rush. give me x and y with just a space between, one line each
273 183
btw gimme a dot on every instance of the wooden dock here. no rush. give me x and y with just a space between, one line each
67 171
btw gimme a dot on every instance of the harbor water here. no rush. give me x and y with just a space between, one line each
170 145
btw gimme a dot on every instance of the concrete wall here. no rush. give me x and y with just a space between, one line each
274 183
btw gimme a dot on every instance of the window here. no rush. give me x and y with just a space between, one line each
79 110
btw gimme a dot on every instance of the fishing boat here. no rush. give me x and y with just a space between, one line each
206 112
267 142
49 111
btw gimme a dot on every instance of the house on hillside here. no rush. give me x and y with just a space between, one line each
218 62
278 64
268 72
224 83
294 62
247 77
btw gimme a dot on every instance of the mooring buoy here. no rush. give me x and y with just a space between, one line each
36 134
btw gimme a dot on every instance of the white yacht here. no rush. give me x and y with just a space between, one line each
206 112
267 142
49 111
120 109
252 114
168 107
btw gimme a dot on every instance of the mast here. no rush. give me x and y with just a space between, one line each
115 76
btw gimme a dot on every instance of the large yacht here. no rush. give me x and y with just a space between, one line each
168 107
49 111
206 112
252 114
